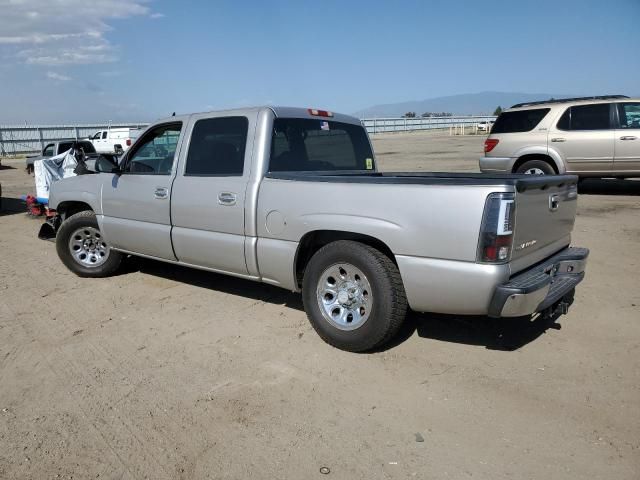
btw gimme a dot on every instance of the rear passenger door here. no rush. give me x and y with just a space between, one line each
208 199
584 137
627 138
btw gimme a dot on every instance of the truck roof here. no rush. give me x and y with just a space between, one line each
279 111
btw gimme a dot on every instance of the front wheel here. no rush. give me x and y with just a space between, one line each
353 296
82 248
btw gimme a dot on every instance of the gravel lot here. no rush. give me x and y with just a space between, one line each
163 372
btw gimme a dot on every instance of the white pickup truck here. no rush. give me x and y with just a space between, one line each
292 197
114 140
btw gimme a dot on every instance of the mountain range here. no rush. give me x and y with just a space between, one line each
483 103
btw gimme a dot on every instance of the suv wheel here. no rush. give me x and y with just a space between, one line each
353 296
536 167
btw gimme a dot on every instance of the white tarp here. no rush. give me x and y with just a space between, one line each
53 169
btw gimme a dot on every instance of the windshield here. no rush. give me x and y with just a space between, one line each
303 145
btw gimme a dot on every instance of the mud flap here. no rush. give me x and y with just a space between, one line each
49 229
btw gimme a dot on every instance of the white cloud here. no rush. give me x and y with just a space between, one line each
58 76
157 15
48 32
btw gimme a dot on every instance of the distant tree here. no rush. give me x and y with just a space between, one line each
437 114
410 115
497 111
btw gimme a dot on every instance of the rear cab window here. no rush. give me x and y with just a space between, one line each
307 145
63 147
519 120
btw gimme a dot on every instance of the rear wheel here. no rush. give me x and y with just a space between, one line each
353 296
82 248
536 167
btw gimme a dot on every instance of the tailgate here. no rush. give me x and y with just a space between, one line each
545 212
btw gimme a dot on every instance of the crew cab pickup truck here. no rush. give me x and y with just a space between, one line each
291 197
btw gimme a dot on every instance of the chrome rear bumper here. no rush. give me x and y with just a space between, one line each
540 287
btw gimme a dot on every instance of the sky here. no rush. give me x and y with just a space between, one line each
64 61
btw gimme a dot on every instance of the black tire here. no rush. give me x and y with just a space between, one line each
84 219
545 167
388 305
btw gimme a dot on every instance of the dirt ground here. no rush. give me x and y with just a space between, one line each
163 372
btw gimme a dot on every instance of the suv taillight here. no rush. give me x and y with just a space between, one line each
496 232
490 144
128 142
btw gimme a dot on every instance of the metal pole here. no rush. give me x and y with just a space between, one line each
77 133
41 139
2 152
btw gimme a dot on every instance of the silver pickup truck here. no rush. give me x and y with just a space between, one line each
292 197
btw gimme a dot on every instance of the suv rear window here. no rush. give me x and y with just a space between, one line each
299 145
519 121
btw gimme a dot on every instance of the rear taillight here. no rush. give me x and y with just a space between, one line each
496 232
490 144
128 142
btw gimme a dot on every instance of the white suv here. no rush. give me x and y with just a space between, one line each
589 137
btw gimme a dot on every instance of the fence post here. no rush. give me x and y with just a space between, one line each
2 152
41 139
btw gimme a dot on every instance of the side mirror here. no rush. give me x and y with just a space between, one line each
106 164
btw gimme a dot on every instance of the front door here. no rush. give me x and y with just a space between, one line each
584 138
627 138
208 206
136 203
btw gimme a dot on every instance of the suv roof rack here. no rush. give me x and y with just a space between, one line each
565 100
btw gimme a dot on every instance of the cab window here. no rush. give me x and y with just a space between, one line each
155 152
217 147
104 135
48 151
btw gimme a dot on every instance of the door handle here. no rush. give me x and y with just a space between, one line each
161 193
628 137
227 198
559 139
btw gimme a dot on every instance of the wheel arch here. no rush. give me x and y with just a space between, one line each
314 240
71 207
535 156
